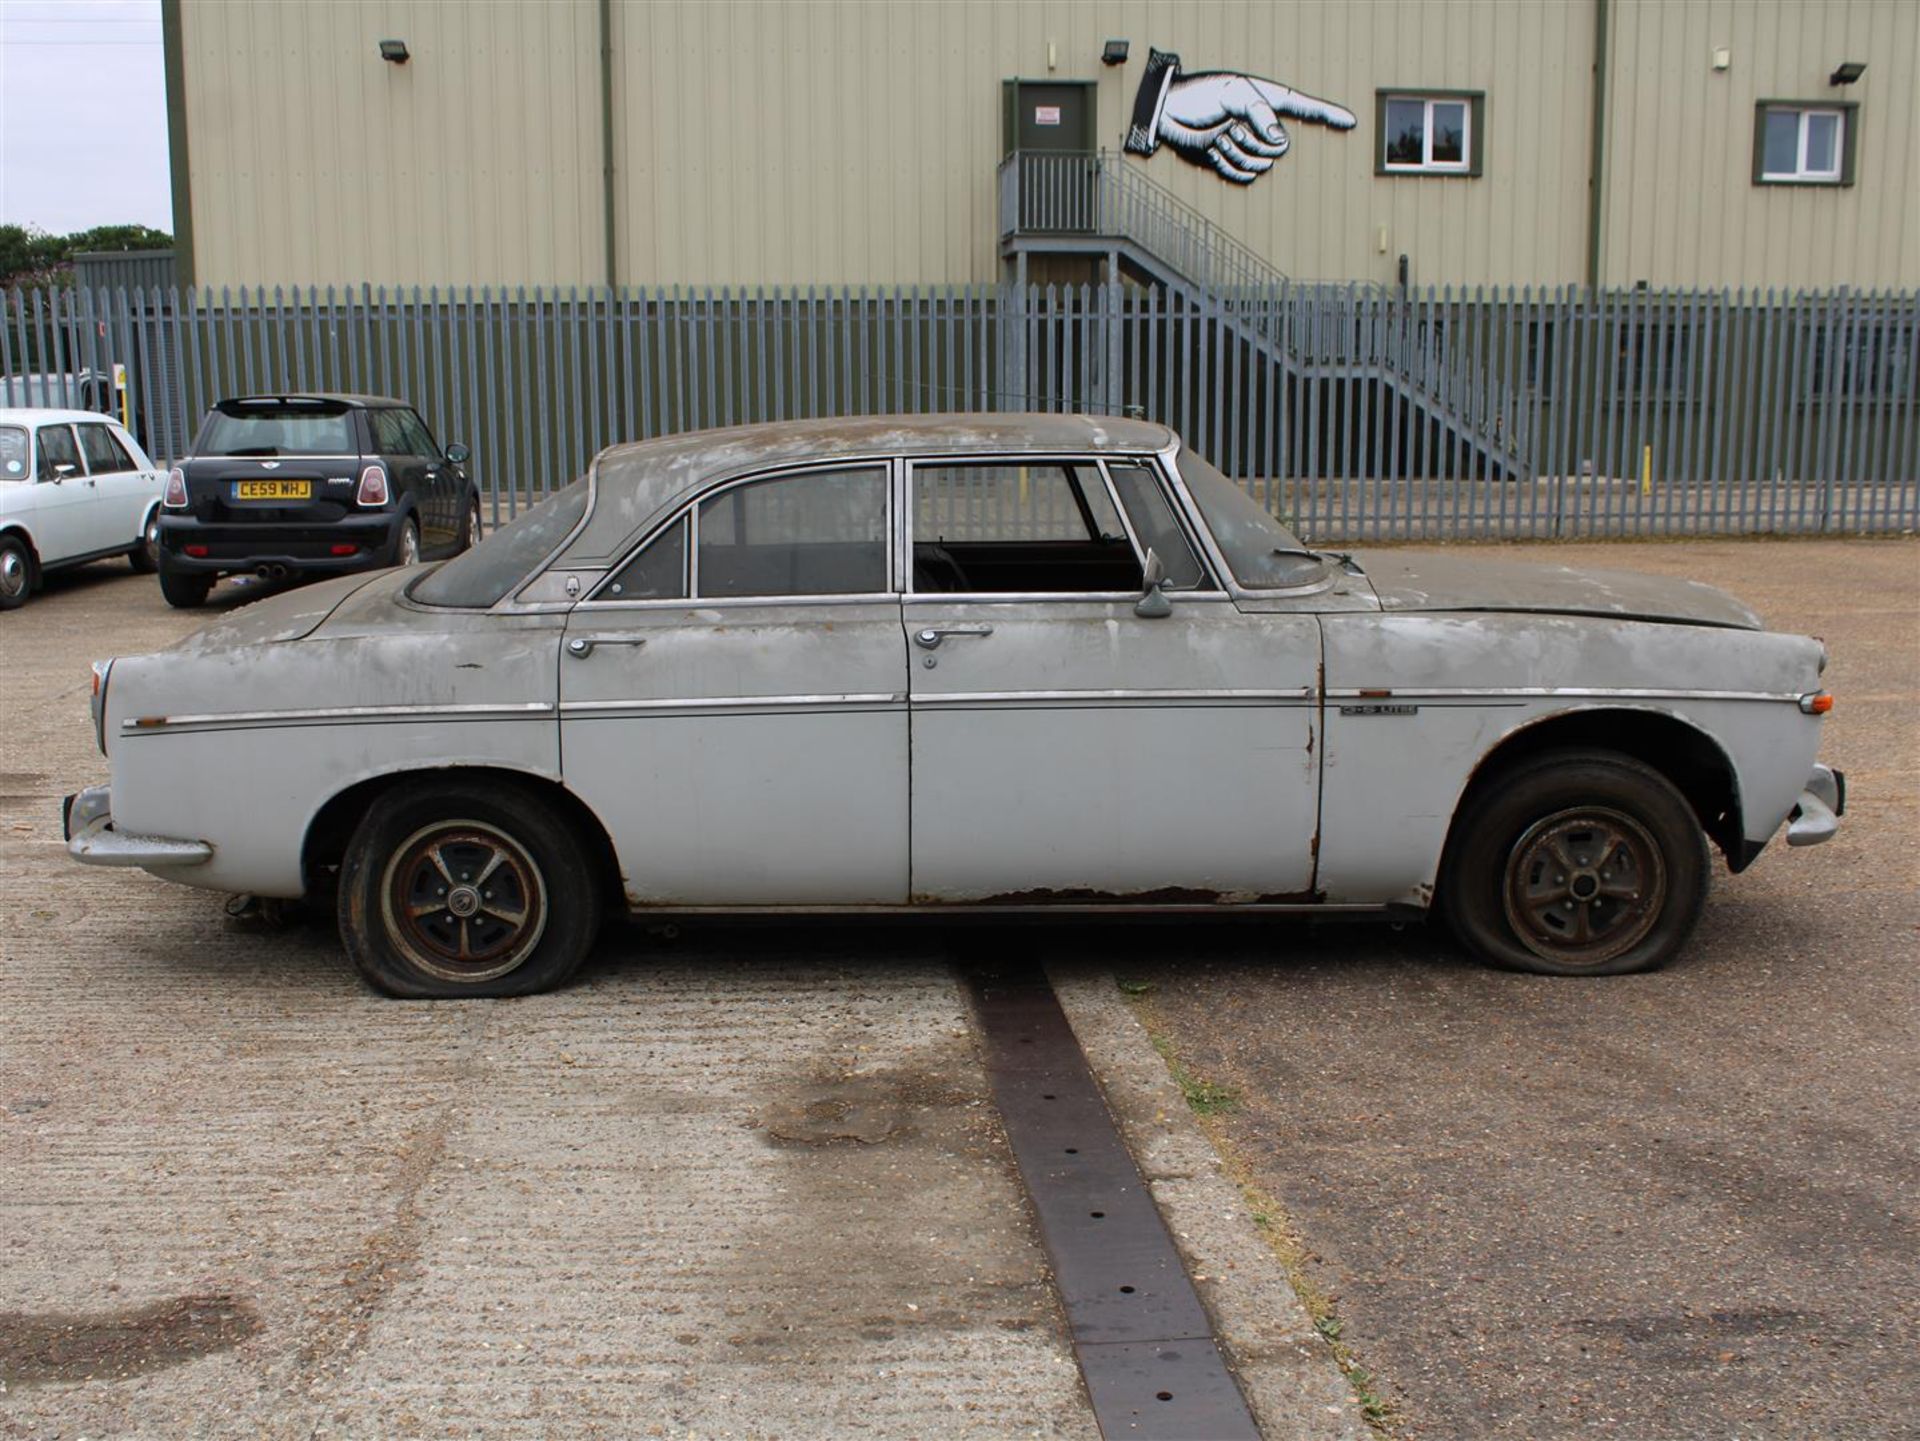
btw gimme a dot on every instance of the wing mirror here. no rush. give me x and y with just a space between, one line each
61 472
458 454
1153 603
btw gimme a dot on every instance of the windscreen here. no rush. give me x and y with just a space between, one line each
484 575
1262 553
266 428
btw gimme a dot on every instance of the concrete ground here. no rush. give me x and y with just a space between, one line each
749 1185
1677 1205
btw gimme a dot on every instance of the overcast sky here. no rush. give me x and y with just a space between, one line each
83 115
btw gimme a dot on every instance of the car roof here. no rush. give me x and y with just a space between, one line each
352 402
50 415
633 483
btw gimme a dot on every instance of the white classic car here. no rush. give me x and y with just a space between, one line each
74 487
986 662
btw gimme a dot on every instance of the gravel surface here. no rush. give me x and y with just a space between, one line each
1676 1205
751 1184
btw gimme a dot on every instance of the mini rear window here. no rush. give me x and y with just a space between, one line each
268 429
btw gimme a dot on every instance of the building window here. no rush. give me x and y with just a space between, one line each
1429 132
1797 143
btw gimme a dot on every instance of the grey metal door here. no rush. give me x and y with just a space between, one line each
1051 124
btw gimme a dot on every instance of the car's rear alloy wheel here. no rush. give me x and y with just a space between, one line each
185 591
407 552
145 557
470 528
16 572
458 890
1576 863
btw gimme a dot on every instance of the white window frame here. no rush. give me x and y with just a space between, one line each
1427 165
1800 174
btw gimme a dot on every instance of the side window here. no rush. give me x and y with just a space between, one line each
1003 528
820 533
57 449
658 572
388 436
1154 522
415 435
103 452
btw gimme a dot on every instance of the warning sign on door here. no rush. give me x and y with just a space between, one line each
1046 115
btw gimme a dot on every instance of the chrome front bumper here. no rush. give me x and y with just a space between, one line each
86 819
1816 815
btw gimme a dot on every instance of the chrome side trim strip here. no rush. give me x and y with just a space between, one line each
1303 695
1525 692
607 709
136 725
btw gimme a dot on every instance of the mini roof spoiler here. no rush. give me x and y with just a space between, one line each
237 403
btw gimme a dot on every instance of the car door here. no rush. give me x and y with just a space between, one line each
62 497
436 480
407 473
123 489
1067 749
733 698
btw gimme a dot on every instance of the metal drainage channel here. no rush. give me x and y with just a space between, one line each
1144 1342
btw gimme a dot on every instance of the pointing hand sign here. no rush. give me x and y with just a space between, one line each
1220 118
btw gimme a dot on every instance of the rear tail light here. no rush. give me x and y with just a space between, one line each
176 496
198 552
1818 703
98 703
373 487
344 549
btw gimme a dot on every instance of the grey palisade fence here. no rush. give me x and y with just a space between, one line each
1359 413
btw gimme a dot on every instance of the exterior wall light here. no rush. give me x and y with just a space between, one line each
1848 72
1114 53
394 52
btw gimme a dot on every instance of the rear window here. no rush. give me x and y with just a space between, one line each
267 429
13 453
483 576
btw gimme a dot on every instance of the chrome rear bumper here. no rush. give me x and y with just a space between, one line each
86 820
1816 816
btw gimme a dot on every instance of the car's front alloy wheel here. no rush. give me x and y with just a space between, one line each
470 527
458 890
1576 863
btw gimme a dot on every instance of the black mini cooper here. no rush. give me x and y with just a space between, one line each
311 485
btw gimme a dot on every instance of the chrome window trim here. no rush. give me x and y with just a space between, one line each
1013 457
736 602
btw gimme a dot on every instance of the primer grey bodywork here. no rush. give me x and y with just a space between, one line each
1299 748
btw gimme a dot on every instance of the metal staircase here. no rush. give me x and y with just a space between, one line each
1099 205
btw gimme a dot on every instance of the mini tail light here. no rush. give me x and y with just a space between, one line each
1817 703
198 552
176 496
373 487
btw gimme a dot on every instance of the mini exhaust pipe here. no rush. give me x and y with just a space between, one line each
271 572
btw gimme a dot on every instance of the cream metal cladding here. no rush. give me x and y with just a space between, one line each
315 162
1682 206
781 142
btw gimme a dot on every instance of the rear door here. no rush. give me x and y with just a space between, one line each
124 490
733 698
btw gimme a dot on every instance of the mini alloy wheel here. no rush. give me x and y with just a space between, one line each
1584 886
463 901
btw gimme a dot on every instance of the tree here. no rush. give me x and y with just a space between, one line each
30 256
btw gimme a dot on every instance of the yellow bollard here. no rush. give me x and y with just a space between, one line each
1646 470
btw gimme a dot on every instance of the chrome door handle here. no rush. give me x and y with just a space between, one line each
930 637
582 646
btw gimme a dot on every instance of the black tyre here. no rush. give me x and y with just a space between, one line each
1575 863
451 888
406 550
184 591
16 572
145 557
470 529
